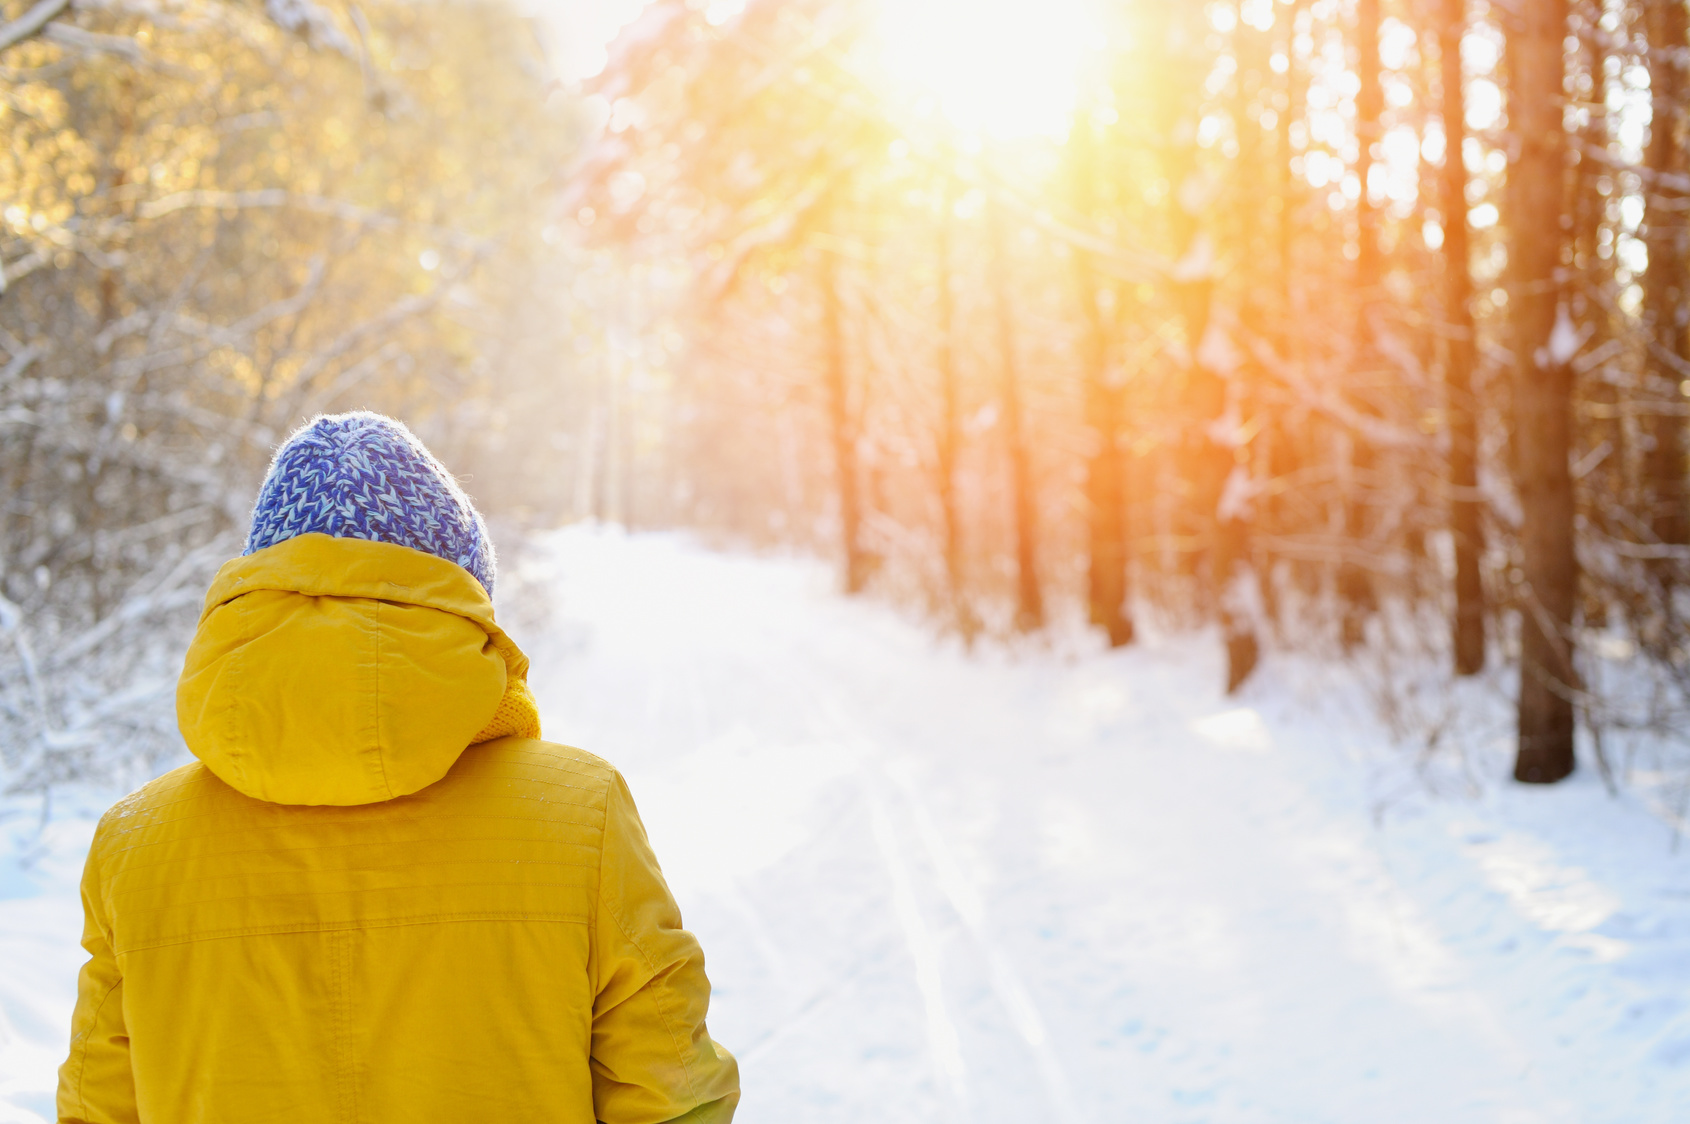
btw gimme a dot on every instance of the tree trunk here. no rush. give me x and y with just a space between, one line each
1601 436
1544 404
1029 600
844 429
1217 471
949 425
1289 443
1465 508
1208 456
1663 281
1105 465
1355 585
1239 404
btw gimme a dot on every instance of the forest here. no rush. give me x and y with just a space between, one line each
1336 326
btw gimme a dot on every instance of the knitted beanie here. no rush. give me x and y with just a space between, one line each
365 476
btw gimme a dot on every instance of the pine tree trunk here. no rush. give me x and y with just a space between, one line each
1212 460
844 431
949 425
1289 443
1355 585
1207 456
1664 280
1544 405
1105 483
1029 600
1465 509
1237 457
1601 436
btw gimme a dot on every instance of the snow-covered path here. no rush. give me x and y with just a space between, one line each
1057 887
940 887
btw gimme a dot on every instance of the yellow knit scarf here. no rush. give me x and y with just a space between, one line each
517 717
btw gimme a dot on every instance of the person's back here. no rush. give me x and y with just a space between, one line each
343 913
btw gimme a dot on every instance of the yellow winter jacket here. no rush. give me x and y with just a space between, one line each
340 913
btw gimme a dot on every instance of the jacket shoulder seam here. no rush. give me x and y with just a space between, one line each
243 830
345 926
650 964
82 1046
657 1001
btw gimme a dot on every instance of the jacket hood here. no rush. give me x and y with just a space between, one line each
342 671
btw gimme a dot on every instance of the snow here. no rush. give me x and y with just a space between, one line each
1215 352
1198 261
1565 340
1238 494
1049 882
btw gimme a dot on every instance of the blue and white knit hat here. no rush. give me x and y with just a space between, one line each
365 476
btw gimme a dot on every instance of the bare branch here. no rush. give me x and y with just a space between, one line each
20 362
121 46
31 22
273 197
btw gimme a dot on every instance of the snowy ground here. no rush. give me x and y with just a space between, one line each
1054 885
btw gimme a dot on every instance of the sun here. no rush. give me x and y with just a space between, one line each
1001 69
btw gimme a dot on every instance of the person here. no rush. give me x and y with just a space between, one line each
378 895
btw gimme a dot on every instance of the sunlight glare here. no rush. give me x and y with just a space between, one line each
1000 68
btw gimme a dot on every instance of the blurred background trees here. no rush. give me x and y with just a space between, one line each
1338 325
1333 322
218 220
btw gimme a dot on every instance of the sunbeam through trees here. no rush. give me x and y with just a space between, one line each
1329 323
1337 326
1134 555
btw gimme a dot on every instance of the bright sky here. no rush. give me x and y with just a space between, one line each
998 68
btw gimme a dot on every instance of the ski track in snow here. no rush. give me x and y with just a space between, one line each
1074 888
